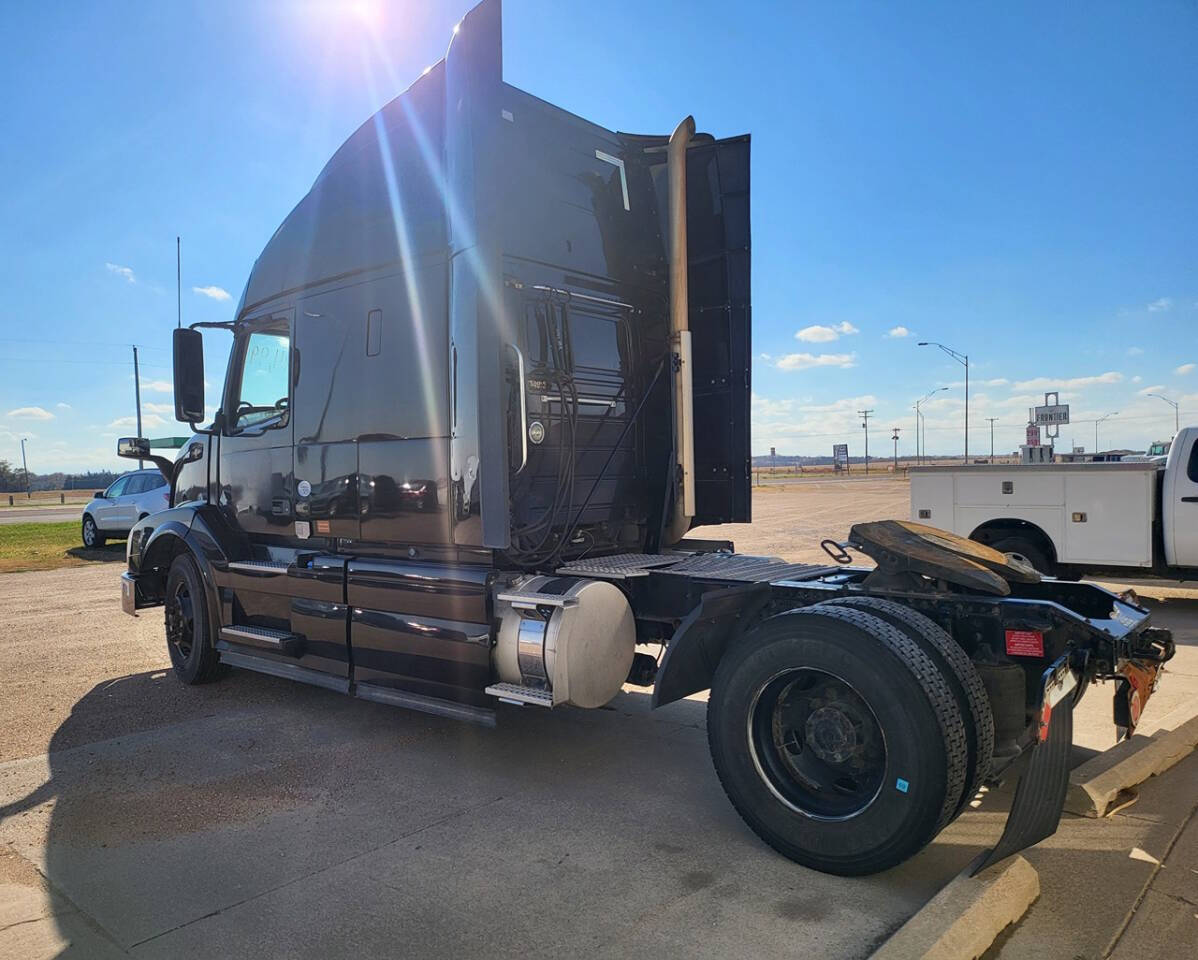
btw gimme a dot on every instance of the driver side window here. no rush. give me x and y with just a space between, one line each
262 397
117 489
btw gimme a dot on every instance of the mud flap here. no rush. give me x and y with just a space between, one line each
1040 794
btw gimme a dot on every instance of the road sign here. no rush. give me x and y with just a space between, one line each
840 454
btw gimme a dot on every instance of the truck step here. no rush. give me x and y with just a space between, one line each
514 693
273 567
530 601
265 638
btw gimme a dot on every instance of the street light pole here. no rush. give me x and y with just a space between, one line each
894 437
962 358
25 467
1174 404
918 416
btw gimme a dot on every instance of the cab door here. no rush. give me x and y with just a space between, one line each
1181 501
107 514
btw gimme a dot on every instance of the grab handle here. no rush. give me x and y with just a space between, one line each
523 408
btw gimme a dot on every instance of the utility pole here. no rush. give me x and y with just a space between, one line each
137 397
1097 421
25 467
992 419
865 426
895 439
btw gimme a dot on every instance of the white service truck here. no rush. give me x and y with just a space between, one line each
1075 519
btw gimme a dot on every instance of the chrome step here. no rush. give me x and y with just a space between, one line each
259 566
514 693
418 701
266 638
530 601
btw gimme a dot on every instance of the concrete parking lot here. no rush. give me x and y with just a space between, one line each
256 817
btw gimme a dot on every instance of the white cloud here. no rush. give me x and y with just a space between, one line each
1069 383
1135 351
1137 378
818 333
30 413
125 272
898 332
997 382
149 407
1161 305
63 406
148 420
158 386
1184 369
1155 388
766 357
213 292
802 361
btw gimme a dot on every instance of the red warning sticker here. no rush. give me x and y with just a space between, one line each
1025 643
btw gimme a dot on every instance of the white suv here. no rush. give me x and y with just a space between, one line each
113 512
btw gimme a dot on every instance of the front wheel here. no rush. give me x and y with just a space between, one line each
188 625
92 538
837 739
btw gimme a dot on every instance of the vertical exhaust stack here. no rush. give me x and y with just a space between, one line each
680 335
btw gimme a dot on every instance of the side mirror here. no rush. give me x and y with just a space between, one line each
99 494
194 452
189 375
133 448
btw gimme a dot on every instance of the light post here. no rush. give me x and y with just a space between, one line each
961 358
918 403
25 467
1174 404
1097 421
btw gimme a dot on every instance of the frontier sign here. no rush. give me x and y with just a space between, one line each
1051 415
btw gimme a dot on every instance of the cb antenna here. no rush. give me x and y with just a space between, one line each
178 282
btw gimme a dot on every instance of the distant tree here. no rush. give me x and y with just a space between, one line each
9 478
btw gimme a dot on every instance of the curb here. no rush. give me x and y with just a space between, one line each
964 919
1097 784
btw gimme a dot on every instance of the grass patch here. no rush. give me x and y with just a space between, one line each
47 546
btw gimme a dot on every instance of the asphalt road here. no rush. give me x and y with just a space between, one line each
40 514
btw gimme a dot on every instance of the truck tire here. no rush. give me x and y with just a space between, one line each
837 739
962 676
1029 550
189 625
92 538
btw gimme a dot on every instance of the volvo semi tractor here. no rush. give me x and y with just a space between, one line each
484 379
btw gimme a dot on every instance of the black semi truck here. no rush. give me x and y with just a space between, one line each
484 379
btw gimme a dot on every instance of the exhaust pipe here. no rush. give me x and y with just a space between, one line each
680 335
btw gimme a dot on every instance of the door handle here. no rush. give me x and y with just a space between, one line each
523 408
1189 499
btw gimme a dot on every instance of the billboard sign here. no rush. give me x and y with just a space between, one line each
840 455
1052 415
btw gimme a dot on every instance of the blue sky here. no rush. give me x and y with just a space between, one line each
1015 180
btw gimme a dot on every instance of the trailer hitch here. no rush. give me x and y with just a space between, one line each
1040 793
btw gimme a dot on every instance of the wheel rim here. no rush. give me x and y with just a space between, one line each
817 744
89 532
180 619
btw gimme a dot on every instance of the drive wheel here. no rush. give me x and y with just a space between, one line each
188 625
958 670
837 739
92 538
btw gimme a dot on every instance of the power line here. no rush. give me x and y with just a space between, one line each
865 426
